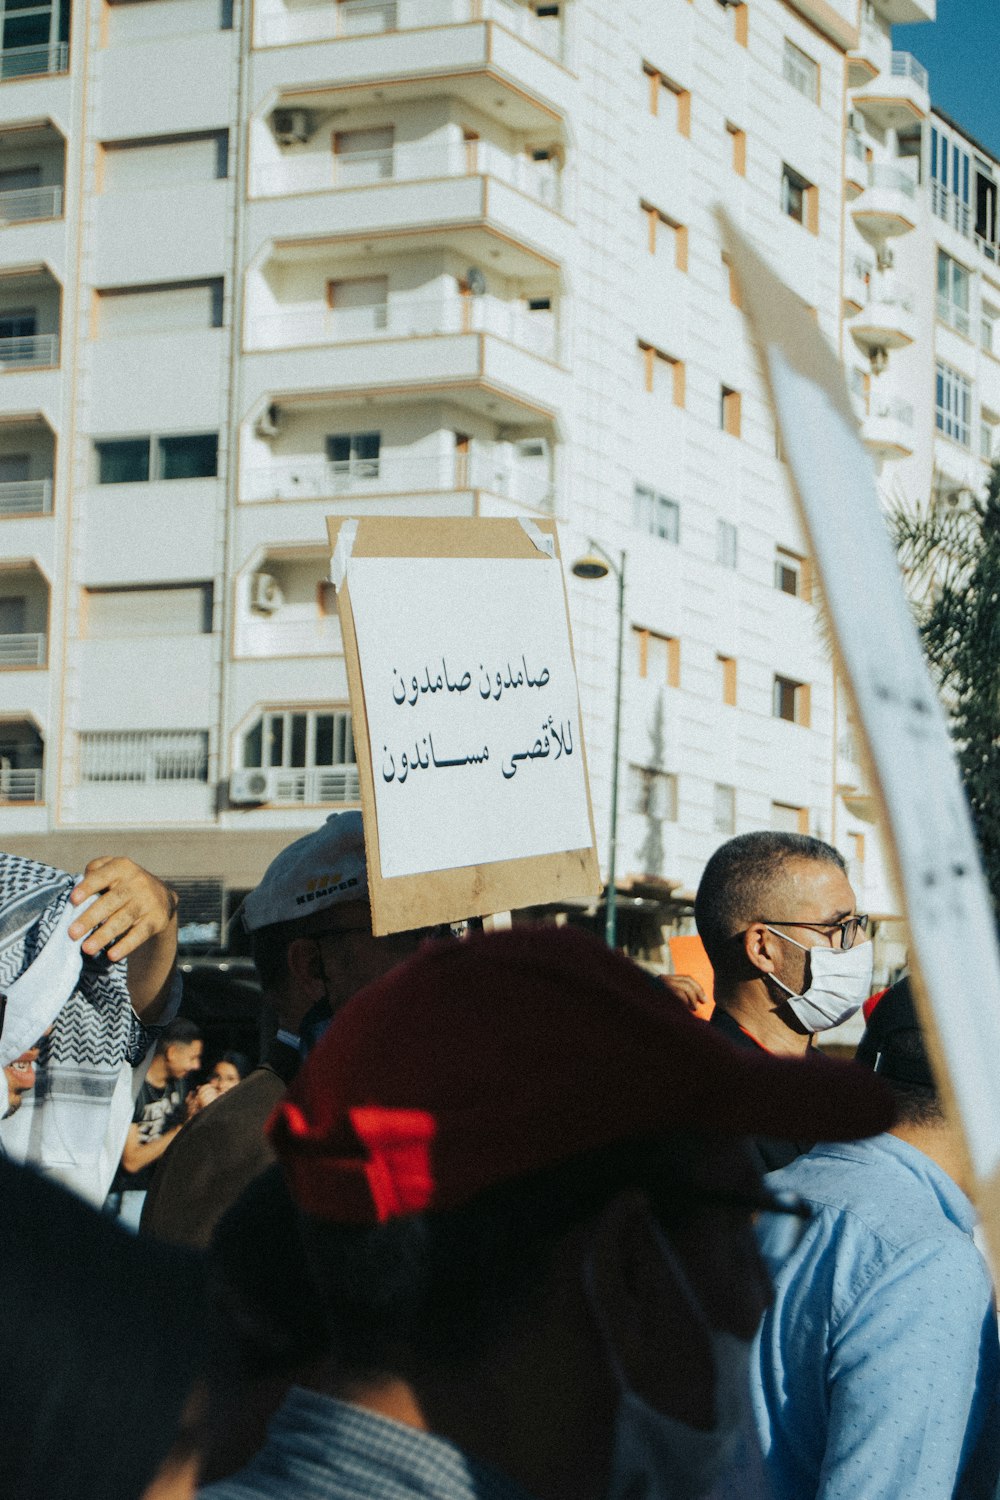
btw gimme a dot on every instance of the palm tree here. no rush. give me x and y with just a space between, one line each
950 557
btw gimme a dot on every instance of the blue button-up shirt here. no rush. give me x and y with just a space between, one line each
318 1448
878 1363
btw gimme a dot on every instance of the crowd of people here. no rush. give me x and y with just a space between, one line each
495 1217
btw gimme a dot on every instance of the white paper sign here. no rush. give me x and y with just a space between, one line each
472 707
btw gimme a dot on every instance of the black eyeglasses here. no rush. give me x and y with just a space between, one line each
848 929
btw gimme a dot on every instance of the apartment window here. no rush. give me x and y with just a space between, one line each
790 701
786 818
732 281
953 286
144 756
166 307
658 657
988 326
799 199
365 17
662 230
730 410
661 86
359 306
163 161
170 609
657 366
953 405
801 71
726 670
726 544
724 808
656 514
299 739
737 148
791 573
19 323
354 455
652 793
363 156
989 427
136 460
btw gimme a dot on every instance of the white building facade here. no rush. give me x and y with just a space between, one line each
260 264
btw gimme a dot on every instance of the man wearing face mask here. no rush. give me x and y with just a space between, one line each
519 1180
787 945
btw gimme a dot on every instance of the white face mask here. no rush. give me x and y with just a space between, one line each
656 1457
840 983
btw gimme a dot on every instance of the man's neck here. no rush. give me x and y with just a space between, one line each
942 1143
757 1015
156 1073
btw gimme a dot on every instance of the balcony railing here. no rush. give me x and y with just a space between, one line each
20 204
23 650
137 756
855 146
401 318
880 175
272 636
20 786
26 497
321 784
28 62
318 478
905 65
27 351
890 410
323 171
319 23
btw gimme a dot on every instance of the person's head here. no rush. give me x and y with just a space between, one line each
511 1154
230 1070
310 924
764 902
893 1047
105 1342
179 1044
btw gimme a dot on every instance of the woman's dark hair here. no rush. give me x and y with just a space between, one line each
102 1336
238 1060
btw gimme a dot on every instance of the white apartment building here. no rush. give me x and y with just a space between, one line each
264 261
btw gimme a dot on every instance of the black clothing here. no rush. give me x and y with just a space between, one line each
768 1154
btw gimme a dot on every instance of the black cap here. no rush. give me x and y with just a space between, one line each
893 1043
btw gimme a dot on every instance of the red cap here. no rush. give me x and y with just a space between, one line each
478 1061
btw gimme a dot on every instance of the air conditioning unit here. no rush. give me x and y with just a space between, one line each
265 594
268 424
249 786
292 127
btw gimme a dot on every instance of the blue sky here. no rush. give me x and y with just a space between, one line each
960 51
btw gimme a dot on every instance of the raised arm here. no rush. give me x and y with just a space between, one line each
135 918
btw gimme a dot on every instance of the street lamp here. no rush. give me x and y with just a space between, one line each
598 564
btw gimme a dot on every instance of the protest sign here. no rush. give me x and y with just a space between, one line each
953 944
466 717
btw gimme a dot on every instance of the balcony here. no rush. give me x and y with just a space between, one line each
280 25
873 52
20 786
33 62
399 318
857 279
27 649
887 429
416 161
29 497
313 477
887 321
35 351
896 99
887 204
22 204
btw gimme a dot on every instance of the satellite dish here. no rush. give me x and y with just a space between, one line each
475 281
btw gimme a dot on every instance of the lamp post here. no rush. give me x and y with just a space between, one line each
598 564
